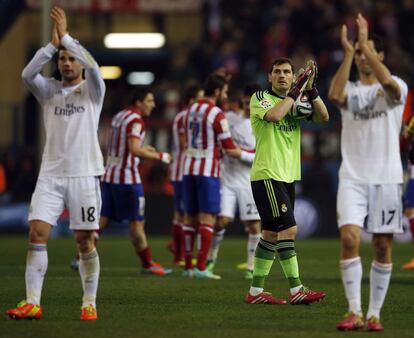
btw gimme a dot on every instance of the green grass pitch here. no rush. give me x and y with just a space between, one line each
135 305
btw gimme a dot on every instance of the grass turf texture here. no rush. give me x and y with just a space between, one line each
135 305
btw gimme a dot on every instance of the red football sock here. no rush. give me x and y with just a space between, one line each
412 226
189 235
177 241
206 236
146 257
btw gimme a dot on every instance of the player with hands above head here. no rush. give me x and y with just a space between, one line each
71 164
371 173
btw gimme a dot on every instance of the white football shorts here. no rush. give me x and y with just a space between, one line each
241 198
80 195
381 203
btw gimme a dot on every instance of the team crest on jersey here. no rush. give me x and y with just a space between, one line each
380 93
266 104
136 128
78 91
284 207
224 125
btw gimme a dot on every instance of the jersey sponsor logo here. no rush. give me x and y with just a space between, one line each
69 110
224 125
370 115
286 128
136 128
380 93
266 104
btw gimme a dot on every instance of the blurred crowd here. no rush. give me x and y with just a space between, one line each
246 35
243 37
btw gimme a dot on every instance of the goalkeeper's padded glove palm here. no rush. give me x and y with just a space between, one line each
311 90
300 83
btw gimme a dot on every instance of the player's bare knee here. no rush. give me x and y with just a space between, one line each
382 247
270 236
289 233
39 232
85 241
349 241
253 227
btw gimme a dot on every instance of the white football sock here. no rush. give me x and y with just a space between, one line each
255 291
351 271
215 245
89 269
379 280
36 267
251 248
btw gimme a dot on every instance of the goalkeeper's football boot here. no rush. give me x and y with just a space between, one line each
263 298
88 313
306 296
374 325
24 310
351 322
156 269
409 265
205 274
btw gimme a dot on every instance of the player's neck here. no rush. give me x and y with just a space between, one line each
210 99
367 79
71 83
281 93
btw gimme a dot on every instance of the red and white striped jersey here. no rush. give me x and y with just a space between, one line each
176 167
121 166
207 131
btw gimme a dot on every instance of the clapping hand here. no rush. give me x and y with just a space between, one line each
59 17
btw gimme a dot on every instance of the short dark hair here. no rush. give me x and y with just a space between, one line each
214 82
139 93
190 93
378 42
280 61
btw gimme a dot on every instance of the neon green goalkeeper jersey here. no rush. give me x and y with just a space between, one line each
277 143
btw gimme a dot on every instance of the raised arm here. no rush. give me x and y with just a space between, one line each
320 113
381 72
337 92
93 75
279 111
31 75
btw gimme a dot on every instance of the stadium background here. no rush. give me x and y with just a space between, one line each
201 36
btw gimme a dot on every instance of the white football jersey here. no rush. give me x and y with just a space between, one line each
235 172
70 114
371 125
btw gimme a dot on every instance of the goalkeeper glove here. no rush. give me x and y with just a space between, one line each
311 90
300 83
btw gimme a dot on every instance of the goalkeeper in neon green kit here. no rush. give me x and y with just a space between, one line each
275 168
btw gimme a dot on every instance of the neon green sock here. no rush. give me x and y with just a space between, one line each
288 261
263 261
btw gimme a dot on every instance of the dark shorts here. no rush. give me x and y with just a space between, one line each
123 202
275 202
201 194
409 194
178 196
